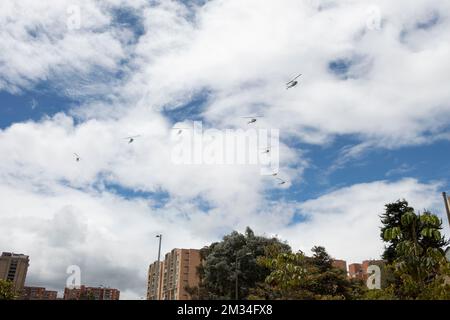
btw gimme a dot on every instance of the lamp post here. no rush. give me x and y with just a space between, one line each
238 258
158 266
447 205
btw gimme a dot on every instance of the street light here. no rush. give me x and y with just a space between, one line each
238 258
158 266
447 205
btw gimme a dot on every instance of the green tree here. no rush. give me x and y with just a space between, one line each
218 270
380 294
329 281
7 290
391 218
296 276
418 259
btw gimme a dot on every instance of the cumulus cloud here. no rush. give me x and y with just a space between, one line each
244 54
377 71
347 221
68 41
113 239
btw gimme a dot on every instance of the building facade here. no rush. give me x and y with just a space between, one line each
14 268
340 264
154 284
91 293
355 271
176 272
38 293
359 270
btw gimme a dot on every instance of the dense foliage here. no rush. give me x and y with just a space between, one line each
392 222
7 290
297 276
219 269
414 265
417 254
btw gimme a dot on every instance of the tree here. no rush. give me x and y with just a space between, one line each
418 258
329 281
391 218
288 271
297 276
218 271
7 291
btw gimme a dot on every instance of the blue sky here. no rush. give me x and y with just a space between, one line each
31 105
368 124
427 163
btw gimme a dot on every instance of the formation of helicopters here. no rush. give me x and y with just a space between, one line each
251 120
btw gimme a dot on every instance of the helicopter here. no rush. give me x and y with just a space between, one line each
131 139
77 157
293 82
180 129
281 181
253 119
266 150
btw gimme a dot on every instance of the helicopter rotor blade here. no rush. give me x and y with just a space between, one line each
294 79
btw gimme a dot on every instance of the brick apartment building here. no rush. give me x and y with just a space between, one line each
169 280
38 293
359 270
91 293
340 264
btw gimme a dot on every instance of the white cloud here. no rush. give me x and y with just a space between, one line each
113 239
244 54
346 221
395 93
39 44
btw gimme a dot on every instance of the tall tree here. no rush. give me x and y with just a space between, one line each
235 256
418 258
391 218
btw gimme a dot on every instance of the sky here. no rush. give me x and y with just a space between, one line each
368 124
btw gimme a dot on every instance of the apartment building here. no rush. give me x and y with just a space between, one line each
14 268
176 272
340 264
155 271
38 293
91 293
359 270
